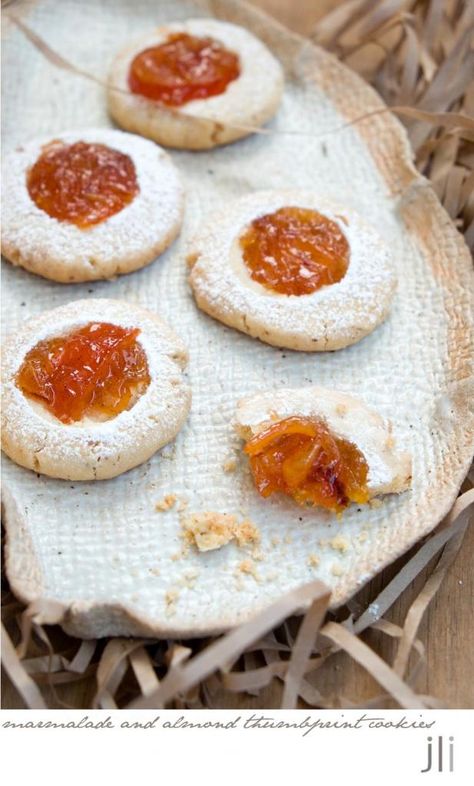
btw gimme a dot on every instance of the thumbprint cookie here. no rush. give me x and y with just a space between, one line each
292 269
92 389
194 84
89 204
320 447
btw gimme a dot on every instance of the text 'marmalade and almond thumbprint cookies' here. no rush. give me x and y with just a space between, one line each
89 204
292 269
92 389
320 447
195 84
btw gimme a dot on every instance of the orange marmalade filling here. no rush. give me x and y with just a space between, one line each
82 183
182 69
300 457
97 371
295 251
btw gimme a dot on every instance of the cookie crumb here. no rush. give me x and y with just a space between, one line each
230 465
209 531
246 533
170 600
363 536
154 571
171 596
247 566
313 560
336 570
339 544
166 503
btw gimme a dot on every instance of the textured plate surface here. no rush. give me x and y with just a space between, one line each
101 549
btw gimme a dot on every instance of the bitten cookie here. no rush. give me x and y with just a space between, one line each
89 204
321 447
195 84
292 269
92 389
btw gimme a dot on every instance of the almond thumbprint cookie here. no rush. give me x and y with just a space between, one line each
89 204
194 84
292 269
92 389
320 447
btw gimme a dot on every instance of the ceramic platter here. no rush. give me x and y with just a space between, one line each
102 550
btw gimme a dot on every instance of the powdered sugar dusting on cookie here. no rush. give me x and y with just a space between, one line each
259 70
250 100
88 449
125 241
332 317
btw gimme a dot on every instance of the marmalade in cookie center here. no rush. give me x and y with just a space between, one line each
295 251
82 183
97 371
182 69
301 458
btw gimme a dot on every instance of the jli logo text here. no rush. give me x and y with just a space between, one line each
440 755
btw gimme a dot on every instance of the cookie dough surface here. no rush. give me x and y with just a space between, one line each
248 101
88 449
346 417
127 241
330 318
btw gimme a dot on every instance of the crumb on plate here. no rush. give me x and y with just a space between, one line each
166 503
230 465
171 596
339 544
248 567
209 530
